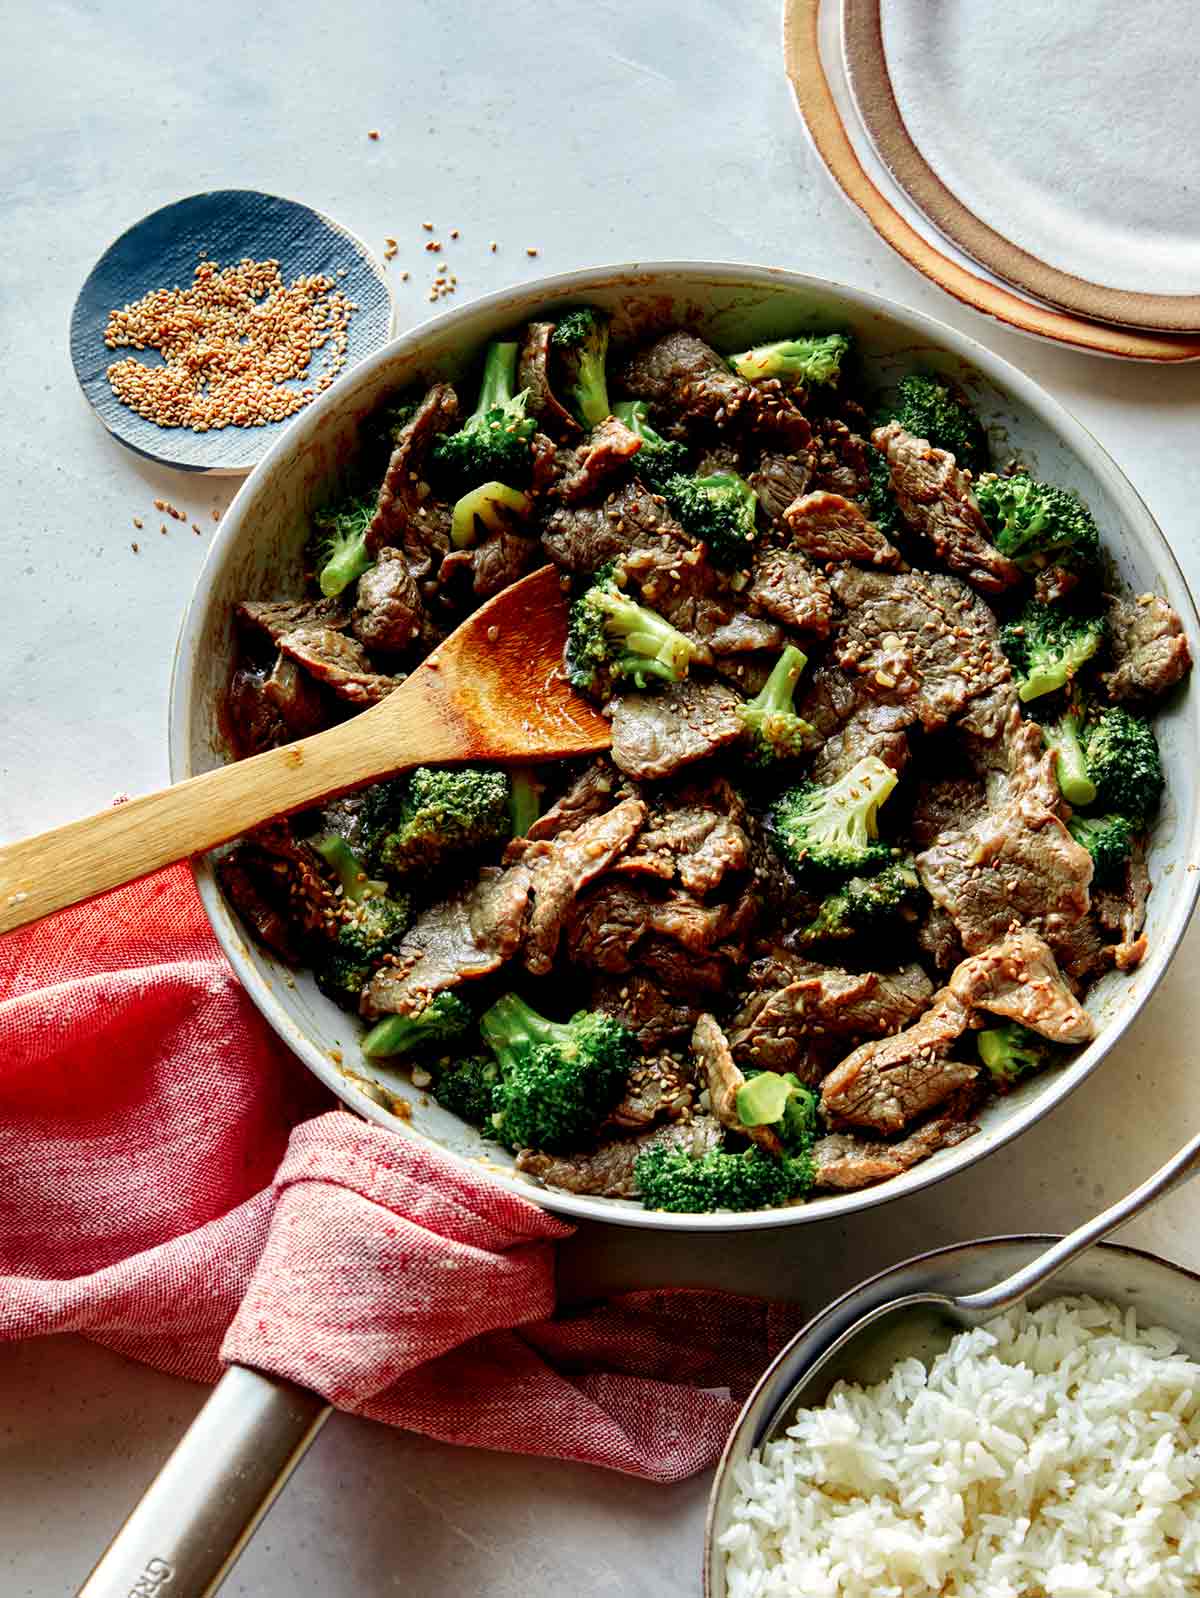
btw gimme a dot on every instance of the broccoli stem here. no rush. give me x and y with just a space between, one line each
482 504
634 414
345 566
763 1099
511 1026
524 799
1076 787
357 885
776 694
395 1034
499 377
648 637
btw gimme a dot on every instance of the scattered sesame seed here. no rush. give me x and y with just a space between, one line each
428 226
196 528
137 521
216 514
453 232
372 133
134 548
404 277
432 244
530 249
388 239
492 246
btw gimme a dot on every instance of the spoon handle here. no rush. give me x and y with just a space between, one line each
1178 1169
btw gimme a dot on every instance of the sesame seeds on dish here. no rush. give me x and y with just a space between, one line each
231 342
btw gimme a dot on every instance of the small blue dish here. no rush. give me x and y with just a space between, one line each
163 251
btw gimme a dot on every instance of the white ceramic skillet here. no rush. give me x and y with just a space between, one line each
256 554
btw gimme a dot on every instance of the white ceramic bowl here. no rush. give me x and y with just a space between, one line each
257 554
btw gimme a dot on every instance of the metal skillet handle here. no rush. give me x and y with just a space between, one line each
1178 1169
206 1502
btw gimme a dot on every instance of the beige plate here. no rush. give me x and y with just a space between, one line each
823 119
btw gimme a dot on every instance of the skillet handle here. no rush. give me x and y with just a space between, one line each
206 1502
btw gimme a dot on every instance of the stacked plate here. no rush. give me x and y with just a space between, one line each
1040 163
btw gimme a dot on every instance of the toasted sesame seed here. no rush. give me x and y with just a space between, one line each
137 521
453 232
492 246
530 249
372 133
231 341
134 548
428 226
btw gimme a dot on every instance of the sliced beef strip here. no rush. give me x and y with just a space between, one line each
776 1030
887 1084
607 1172
685 975
597 788
779 479
388 612
872 730
458 940
655 735
795 593
658 1019
254 720
845 1162
840 460
829 527
917 638
1019 979
560 868
698 600
944 804
1149 650
659 1089
1124 913
586 470
683 378
533 375
407 514
263 623
1082 951
501 559
609 927
1016 863
582 538
341 663
275 884
935 499
296 697
688 844
938 939
724 1079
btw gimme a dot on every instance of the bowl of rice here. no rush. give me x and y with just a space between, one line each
1053 1452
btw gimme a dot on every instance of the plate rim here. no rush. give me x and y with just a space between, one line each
822 120
871 85
218 468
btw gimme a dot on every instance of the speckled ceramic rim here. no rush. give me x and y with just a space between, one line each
874 92
817 107
501 310
765 1397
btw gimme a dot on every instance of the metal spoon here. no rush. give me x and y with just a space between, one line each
921 1324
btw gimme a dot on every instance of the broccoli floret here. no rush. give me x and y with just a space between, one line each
447 812
467 1087
812 359
669 1179
776 732
444 1020
864 905
659 458
782 1102
1124 763
1109 841
341 543
1037 525
558 1080
611 637
1011 1051
1048 645
493 443
370 930
1064 733
524 799
356 881
581 339
493 504
833 831
362 820
929 409
722 510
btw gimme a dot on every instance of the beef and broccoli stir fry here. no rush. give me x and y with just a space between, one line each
881 778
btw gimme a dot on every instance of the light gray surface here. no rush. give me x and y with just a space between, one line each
597 132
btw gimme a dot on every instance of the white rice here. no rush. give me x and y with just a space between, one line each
1054 1453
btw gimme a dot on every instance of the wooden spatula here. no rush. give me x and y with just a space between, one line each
495 690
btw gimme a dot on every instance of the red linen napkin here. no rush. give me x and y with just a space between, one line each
174 1185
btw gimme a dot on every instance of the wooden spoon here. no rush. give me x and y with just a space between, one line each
495 690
